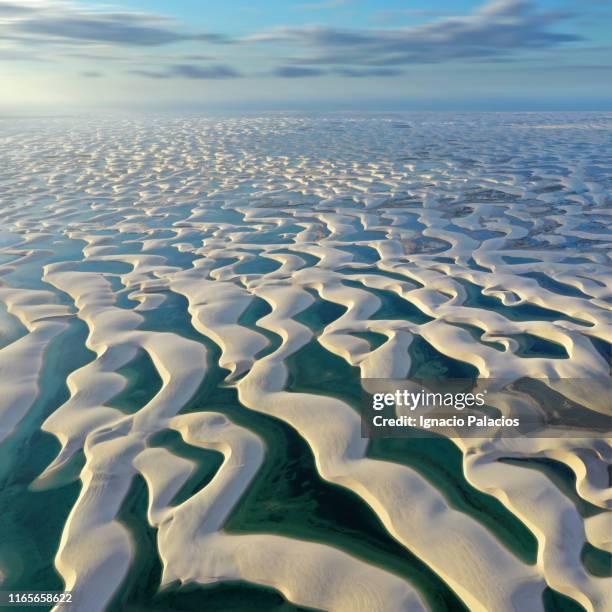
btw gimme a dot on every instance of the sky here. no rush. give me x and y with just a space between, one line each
234 55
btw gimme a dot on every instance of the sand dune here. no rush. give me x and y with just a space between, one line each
237 284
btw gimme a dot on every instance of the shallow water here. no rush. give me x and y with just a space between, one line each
424 204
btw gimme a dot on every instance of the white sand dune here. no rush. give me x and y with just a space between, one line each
498 250
21 361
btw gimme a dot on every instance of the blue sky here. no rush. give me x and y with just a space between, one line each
305 55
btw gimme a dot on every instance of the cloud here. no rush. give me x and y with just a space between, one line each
10 8
496 30
297 72
189 71
54 22
367 72
196 57
219 71
92 74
